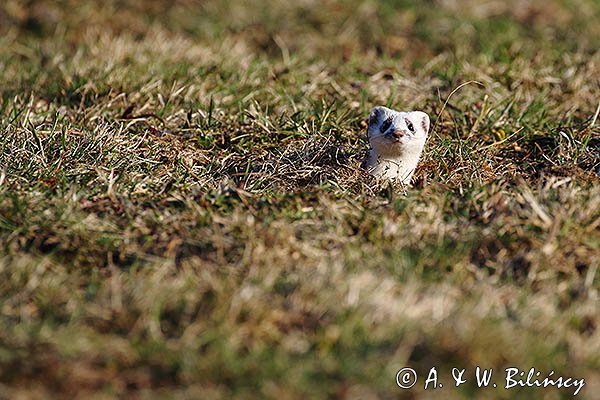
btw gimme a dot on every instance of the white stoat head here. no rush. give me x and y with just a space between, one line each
395 133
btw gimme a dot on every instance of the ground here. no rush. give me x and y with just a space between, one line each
183 212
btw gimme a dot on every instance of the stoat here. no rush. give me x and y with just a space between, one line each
397 140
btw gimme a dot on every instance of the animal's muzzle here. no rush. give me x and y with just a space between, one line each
398 133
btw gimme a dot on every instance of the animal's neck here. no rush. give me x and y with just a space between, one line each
400 168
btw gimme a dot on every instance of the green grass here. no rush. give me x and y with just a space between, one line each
183 213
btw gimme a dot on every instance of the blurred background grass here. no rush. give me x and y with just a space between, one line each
183 213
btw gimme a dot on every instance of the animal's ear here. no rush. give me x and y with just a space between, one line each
422 119
376 116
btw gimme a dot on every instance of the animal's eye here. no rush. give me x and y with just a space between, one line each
410 126
386 125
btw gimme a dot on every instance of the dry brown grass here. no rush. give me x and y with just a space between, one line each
183 213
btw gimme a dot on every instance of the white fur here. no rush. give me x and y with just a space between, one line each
395 149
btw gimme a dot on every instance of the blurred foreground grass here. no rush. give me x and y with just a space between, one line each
183 213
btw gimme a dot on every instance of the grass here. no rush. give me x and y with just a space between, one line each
183 213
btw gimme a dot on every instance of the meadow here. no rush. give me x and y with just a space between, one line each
183 212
